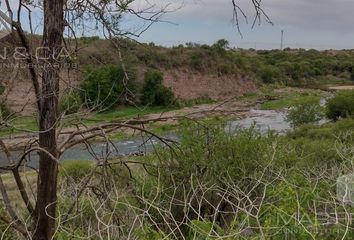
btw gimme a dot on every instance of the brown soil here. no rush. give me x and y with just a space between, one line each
191 85
185 84
21 98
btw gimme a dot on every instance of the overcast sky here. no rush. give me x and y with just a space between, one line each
320 24
317 24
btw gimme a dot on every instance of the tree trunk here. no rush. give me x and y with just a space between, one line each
45 211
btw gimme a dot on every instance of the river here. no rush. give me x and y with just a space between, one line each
263 120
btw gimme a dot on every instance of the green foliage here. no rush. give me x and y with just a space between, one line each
196 61
70 103
106 87
148 233
5 111
304 112
75 169
2 89
153 79
221 44
218 159
287 197
6 231
88 40
154 92
294 67
330 132
224 69
341 105
200 230
288 101
269 74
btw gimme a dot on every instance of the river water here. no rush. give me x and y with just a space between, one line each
263 120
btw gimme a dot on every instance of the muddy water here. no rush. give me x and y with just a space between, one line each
263 120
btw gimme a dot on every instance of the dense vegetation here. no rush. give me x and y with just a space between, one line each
154 92
293 67
235 184
248 186
103 88
305 111
217 183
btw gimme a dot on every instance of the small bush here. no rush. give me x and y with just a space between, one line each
154 92
5 111
221 43
341 105
196 61
224 69
76 170
304 112
164 96
103 88
204 99
269 74
70 103
221 46
2 89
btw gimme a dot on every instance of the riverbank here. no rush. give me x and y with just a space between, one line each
161 121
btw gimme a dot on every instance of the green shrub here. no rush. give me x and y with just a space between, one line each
304 112
104 87
164 96
70 103
196 61
220 161
5 111
209 149
220 46
224 69
329 131
154 92
269 74
211 156
88 40
2 89
341 105
75 169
